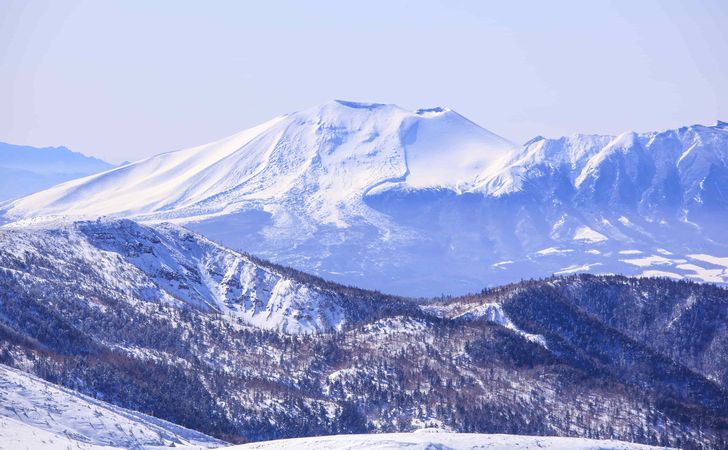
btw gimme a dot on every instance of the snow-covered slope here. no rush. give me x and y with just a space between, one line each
653 172
322 160
25 170
169 264
426 202
425 440
37 415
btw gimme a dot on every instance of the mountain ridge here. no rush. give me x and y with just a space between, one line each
171 265
409 191
25 169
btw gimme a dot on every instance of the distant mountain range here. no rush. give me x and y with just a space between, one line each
25 170
162 321
426 202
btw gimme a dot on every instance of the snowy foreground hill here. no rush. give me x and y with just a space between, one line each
425 202
426 440
37 415
161 320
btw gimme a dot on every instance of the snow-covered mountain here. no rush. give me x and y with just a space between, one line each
425 202
322 160
171 265
24 170
661 175
38 415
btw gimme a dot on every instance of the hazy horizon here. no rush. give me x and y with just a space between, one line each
126 80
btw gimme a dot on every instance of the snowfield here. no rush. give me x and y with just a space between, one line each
426 440
37 415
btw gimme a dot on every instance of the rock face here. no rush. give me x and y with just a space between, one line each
426 202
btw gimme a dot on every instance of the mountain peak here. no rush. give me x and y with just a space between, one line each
373 107
336 152
350 115
534 140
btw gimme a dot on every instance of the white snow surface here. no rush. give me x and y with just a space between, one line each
587 234
553 251
37 415
654 260
711 259
425 440
493 312
488 311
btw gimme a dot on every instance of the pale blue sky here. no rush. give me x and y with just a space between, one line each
124 80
